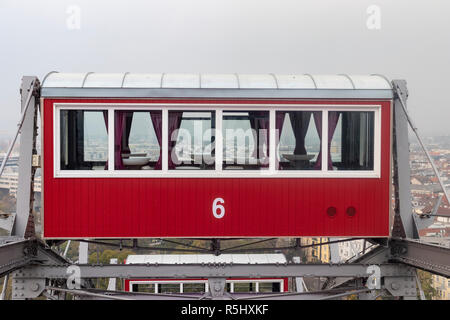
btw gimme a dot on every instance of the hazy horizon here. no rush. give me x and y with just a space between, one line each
218 36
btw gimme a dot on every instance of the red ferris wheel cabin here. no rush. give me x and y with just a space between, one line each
216 155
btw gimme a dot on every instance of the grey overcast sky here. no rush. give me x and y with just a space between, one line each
228 36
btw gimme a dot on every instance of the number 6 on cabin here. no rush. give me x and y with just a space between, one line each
218 207
301 155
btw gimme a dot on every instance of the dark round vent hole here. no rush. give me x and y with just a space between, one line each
331 211
351 211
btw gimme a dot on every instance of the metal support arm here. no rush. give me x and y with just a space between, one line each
212 270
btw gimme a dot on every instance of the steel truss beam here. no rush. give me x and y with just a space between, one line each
425 256
130 271
24 223
19 254
215 245
403 224
95 294
13 256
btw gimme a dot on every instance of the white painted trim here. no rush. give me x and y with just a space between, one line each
218 146
324 162
272 139
56 142
164 141
231 282
157 282
377 142
111 128
218 173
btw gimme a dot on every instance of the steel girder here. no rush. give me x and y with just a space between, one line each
130 271
425 256
22 253
13 256
95 294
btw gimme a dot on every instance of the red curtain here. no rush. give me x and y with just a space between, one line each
300 123
119 123
259 120
333 118
279 121
263 129
105 117
156 117
174 125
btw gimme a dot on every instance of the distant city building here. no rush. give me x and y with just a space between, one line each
442 286
316 253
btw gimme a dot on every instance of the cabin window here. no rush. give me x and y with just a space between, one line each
83 140
191 136
269 287
143 287
350 140
137 140
299 134
193 287
173 141
244 287
245 140
169 288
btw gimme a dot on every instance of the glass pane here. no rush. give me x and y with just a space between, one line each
244 287
269 287
144 287
245 140
168 288
84 139
194 287
352 140
300 135
191 140
137 140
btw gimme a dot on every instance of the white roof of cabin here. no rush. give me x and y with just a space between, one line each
207 258
214 81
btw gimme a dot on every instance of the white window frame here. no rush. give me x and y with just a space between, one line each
271 172
205 282
157 282
256 282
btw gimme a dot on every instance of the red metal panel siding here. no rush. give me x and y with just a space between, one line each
181 207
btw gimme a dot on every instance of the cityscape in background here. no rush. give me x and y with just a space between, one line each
425 192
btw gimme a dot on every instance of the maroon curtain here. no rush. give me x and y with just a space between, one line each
259 120
300 123
279 121
263 124
174 124
105 117
333 118
157 126
119 123
253 125
318 122
128 119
